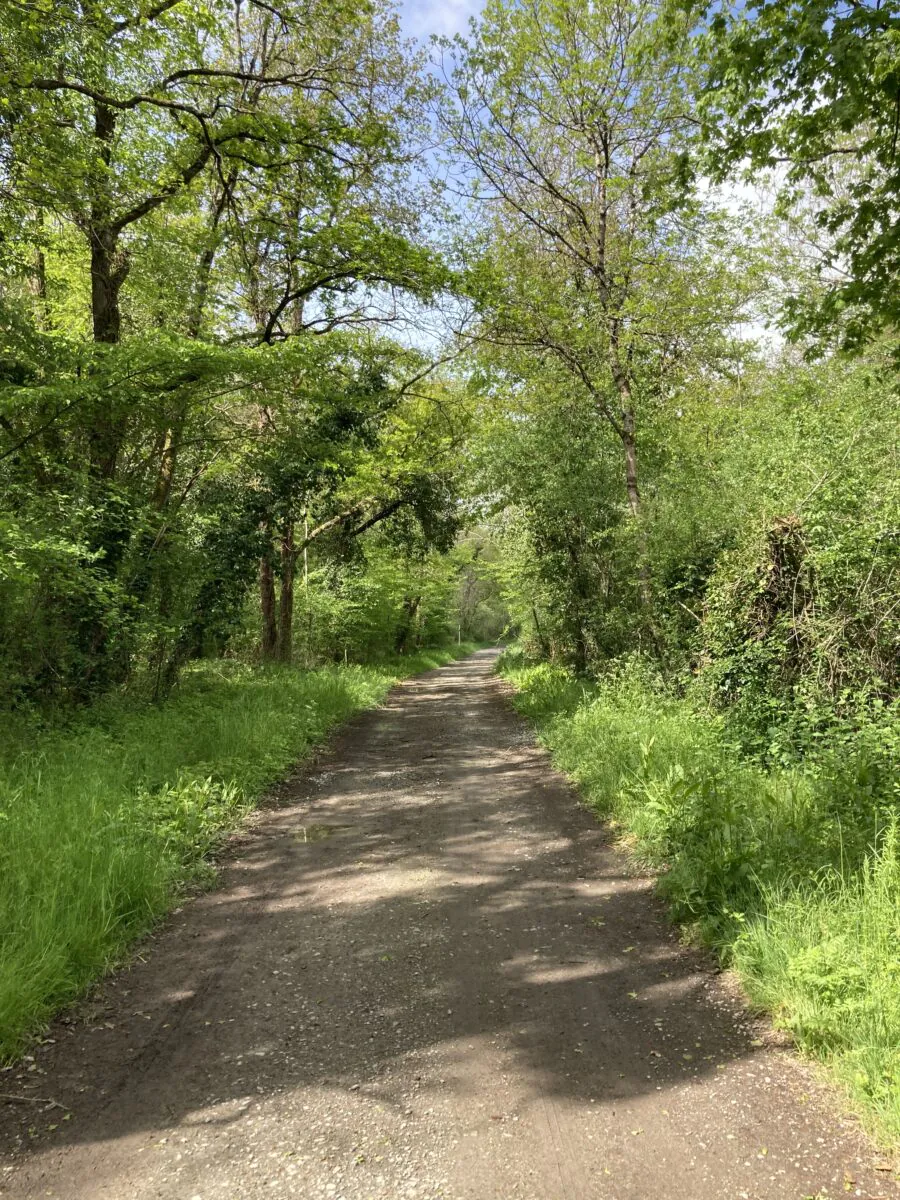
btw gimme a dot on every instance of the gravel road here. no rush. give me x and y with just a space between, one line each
425 974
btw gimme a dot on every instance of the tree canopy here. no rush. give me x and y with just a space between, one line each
811 89
229 231
577 330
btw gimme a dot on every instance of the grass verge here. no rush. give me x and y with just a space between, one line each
103 822
792 875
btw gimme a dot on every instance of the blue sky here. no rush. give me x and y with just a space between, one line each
421 18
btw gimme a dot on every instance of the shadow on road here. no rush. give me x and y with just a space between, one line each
429 883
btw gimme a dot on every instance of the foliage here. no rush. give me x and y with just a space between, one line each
790 874
102 582
105 820
573 123
773 560
825 961
719 666
361 609
224 437
799 629
207 224
811 89
566 545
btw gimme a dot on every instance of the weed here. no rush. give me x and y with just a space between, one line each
102 822
791 872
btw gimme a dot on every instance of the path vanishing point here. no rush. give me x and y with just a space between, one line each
425 974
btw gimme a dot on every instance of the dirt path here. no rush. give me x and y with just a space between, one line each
424 975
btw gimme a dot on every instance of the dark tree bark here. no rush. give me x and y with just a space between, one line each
629 445
37 280
109 269
269 641
170 447
284 650
410 609
542 641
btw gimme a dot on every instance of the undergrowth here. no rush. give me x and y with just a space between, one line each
104 821
791 872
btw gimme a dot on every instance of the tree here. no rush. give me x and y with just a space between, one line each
200 200
574 122
811 90
362 438
110 117
548 476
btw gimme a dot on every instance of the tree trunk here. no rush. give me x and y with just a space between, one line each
171 445
629 445
108 265
267 604
285 647
542 641
626 424
410 608
634 503
168 460
581 599
631 464
201 285
109 269
37 283
200 293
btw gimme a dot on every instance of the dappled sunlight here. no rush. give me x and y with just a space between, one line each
413 962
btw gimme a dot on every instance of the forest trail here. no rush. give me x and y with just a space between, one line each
425 974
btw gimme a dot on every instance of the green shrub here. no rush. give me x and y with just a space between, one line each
825 959
104 821
792 873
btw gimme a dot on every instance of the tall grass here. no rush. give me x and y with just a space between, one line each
103 821
792 874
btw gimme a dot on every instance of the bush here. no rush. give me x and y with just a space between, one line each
103 822
790 872
826 960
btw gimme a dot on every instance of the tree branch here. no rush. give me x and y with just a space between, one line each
147 205
150 15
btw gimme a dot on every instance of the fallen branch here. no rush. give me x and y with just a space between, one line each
13 1099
